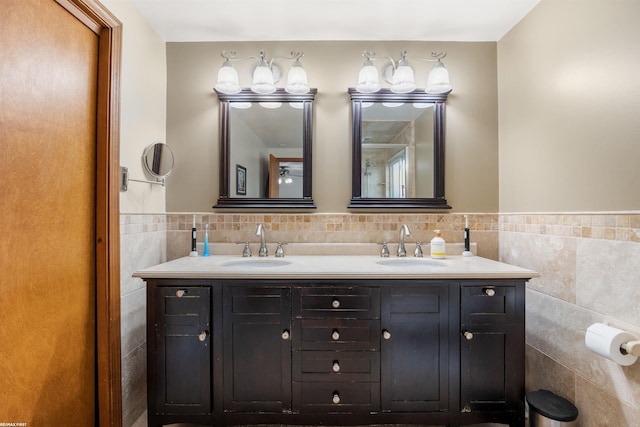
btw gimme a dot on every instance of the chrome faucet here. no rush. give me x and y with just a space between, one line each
404 231
263 243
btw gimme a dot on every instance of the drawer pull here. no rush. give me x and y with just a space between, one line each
336 366
285 335
489 291
335 335
386 334
336 398
181 292
468 335
335 303
203 336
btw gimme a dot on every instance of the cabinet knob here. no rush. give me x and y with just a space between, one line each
335 303
336 366
336 398
285 334
202 336
468 335
181 292
386 334
335 335
489 292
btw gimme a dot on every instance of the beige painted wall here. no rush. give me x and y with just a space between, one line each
569 143
471 132
143 104
143 237
569 98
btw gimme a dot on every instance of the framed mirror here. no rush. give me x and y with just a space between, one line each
398 150
265 150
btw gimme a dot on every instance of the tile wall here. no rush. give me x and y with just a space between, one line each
142 244
590 272
589 265
332 228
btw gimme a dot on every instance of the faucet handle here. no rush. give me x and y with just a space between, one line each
246 251
384 252
418 251
280 250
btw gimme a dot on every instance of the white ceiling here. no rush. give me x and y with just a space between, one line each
303 20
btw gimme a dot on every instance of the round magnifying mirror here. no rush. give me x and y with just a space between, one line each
158 160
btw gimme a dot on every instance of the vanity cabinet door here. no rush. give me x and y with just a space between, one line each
492 347
257 348
415 348
180 353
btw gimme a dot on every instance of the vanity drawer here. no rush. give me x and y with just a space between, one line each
328 397
183 302
336 334
487 304
337 302
334 366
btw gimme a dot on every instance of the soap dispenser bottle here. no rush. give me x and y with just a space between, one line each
438 249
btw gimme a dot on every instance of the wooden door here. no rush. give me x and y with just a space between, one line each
58 243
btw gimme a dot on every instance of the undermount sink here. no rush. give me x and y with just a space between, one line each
256 263
410 262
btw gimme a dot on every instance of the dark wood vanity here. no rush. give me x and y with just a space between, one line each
359 351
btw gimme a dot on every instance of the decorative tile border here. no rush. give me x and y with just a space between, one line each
332 228
142 223
613 226
368 228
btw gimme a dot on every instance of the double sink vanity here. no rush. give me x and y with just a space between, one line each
335 340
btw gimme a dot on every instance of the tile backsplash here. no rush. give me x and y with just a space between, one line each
334 228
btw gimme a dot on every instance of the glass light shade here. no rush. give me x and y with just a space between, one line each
228 81
368 80
297 79
270 105
263 79
403 80
240 105
438 79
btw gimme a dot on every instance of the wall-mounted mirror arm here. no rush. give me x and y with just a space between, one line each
157 162
124 179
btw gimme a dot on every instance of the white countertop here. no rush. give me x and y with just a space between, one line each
333 267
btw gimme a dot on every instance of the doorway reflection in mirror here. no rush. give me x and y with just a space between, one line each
397 151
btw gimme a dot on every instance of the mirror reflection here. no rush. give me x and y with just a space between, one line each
260 134
398 150
157 160
265 146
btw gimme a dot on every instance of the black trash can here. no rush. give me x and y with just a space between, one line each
547 409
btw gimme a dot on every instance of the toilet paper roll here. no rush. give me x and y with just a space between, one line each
605 341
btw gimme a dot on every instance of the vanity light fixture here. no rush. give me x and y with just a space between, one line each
400 74
265 75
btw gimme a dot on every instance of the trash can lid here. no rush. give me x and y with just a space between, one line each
552 406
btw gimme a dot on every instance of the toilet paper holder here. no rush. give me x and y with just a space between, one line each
612 343
631 347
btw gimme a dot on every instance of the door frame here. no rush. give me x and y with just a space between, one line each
108 355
